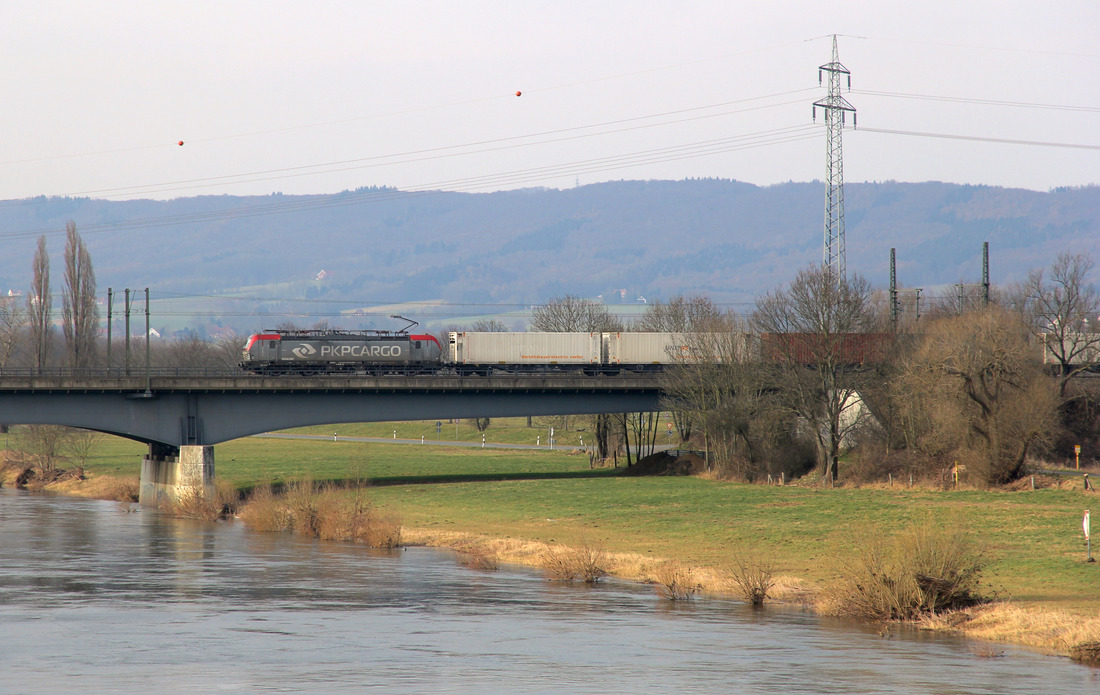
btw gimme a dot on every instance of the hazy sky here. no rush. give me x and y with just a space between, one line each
304 97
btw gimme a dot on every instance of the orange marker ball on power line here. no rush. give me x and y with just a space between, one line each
181 143
518 92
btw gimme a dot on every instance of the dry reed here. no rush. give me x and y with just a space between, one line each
478 559
586 562
323 512
194 504
674 582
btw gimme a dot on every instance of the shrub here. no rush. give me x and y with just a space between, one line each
751 576
566 564
923 569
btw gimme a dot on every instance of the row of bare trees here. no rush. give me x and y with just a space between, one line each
28 332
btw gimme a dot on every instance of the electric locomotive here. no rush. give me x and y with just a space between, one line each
323 351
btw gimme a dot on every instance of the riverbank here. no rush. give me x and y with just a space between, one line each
1002 621
518 505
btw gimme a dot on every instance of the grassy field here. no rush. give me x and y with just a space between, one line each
502 430
1032 538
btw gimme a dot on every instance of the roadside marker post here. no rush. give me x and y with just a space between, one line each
1077 455
1088 539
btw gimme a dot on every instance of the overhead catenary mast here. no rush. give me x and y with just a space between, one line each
835 107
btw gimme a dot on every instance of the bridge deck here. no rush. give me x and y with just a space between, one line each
240 383
176 409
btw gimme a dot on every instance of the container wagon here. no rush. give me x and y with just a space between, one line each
482 353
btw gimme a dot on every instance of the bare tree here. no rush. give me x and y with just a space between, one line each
227 352
815 333
80 444
643 427
45 443
79 314
721 389
1064 307
13 319
40 305
570 313
695 315
489 326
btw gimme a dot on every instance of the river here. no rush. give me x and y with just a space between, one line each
95 598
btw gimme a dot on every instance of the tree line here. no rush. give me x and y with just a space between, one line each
820 378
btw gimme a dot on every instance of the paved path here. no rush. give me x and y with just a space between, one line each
431 442
425 442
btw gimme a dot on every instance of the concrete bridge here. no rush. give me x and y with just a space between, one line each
181 414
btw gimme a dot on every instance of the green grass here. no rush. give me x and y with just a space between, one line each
1033 538
501 430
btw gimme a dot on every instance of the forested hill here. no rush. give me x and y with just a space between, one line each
730 240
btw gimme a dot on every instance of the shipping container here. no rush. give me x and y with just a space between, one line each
646 348
1077 348
492 349
839 348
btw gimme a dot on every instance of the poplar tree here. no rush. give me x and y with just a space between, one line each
79 314
39 305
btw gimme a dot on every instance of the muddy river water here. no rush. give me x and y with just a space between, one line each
98 599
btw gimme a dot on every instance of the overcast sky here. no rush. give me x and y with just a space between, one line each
318 97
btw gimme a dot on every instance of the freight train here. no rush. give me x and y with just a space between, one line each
306 352
313 352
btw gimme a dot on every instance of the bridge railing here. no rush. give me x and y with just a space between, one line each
121 373
116 372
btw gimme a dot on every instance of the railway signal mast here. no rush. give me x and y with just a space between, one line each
835 107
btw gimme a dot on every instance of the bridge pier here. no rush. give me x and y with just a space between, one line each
169 473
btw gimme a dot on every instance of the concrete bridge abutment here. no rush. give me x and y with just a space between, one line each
169 474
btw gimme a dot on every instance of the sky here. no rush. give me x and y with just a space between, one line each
324 96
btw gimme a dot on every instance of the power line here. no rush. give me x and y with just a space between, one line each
984 102
428 154
980 138
305 203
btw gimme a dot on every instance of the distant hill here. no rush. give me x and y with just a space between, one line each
620 240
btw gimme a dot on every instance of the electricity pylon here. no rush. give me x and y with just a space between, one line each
835 107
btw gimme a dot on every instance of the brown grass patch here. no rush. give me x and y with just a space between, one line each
1004 622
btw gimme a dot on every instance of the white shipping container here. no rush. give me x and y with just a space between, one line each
524 348
647 348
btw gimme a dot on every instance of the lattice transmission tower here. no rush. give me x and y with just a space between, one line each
835 107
